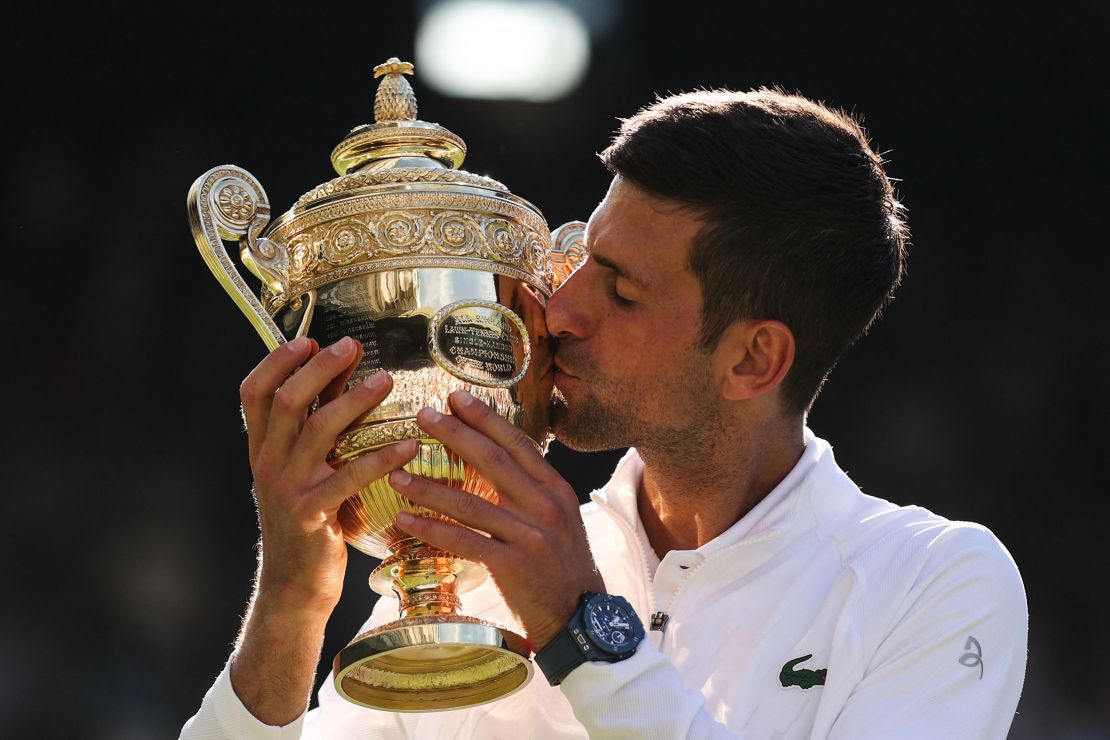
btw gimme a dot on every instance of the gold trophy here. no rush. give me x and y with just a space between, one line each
443 276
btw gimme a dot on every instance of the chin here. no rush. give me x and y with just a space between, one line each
584 432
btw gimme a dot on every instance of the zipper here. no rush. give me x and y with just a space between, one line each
631 533
672 604
659 619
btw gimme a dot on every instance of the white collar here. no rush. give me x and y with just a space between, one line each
767 518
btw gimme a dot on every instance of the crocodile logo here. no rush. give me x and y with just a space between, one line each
804 678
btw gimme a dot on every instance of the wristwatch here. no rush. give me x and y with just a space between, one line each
603 628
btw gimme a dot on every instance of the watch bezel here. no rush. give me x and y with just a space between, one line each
635 631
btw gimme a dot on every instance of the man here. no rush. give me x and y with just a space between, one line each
746 241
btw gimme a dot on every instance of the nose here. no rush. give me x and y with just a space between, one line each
565 316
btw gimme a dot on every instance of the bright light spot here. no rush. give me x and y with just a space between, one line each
532 50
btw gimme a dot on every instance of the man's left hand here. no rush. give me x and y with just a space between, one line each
536 551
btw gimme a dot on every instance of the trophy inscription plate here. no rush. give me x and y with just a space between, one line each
480 342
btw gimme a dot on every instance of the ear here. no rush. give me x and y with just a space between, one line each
752 358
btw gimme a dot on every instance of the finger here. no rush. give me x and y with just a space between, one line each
464 507
257 390
335 388
494 462
519 445
350 477
291 401
327 422
454 538
520 448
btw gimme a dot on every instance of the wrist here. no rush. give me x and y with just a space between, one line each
557 624
539 639
274 663
295 599
289 612
603 628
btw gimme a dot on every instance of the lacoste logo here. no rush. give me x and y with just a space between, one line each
804 678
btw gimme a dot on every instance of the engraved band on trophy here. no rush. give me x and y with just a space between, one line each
443 276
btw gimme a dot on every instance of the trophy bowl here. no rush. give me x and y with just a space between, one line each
442 276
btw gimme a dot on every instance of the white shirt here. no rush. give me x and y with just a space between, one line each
920 622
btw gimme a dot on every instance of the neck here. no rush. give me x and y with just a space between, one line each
686 501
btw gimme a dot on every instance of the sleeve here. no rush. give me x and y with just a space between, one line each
641 698
222 715
953 664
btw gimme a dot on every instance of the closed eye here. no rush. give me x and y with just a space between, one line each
619 299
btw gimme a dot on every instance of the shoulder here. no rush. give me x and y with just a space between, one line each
920 581
910 546
898 553
909 552
871 533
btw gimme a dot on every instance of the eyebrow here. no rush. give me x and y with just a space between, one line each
620 270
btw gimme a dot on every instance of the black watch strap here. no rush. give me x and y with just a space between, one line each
562 655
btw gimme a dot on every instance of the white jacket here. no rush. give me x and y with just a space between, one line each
921 624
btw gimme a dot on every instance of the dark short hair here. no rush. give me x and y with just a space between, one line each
801 222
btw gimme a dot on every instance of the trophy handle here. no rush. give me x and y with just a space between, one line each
568 250
228 203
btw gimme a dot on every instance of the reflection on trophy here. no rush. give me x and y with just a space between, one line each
443 276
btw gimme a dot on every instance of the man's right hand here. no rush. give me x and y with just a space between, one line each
303 556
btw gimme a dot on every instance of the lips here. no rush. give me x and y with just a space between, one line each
561 370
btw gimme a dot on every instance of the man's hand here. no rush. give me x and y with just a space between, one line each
297 492
537 551
303 555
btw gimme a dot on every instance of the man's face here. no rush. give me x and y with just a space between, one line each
629 371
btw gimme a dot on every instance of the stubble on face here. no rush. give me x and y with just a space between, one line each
671 415
654 389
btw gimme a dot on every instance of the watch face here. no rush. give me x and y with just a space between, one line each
612 625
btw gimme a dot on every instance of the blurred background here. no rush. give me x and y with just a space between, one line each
128 525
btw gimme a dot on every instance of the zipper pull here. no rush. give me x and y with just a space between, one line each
659 621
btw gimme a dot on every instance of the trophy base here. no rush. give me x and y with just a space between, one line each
432 663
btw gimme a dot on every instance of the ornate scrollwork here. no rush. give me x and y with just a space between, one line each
320 251
372 436
269 261
210 225
303 258
568 250
357 180
235 202
457 233
346 240
506 243
400 232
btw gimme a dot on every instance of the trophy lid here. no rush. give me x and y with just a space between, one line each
397 138
397 147
400 201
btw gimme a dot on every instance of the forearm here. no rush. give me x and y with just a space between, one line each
274 664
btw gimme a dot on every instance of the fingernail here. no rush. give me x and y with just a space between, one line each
375 381
430 414
400 478
297 345
463 398
342 347
404 518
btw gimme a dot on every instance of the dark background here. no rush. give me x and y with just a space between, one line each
128 526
